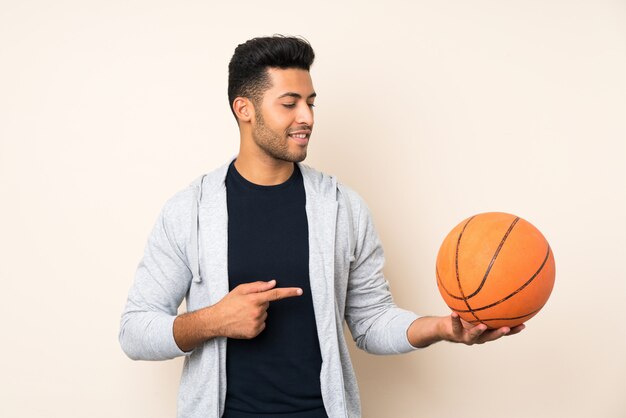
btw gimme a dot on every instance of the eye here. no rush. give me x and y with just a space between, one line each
289 105
311 105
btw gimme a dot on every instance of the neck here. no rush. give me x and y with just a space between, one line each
263 169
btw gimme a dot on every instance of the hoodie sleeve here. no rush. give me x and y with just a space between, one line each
161 282
377 325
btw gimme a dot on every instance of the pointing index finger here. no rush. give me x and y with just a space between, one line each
275 294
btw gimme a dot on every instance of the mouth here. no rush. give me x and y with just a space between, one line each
300 137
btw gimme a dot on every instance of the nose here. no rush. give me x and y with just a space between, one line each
305 115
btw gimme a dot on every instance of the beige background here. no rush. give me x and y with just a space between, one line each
432 110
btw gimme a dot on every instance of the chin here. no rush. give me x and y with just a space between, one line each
295 157
300 158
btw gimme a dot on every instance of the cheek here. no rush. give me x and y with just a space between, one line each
279 121
279 129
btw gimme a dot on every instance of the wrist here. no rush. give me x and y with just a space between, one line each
426 330
208 323
440 328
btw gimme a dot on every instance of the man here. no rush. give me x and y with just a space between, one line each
271 256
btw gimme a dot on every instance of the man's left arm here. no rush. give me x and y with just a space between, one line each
379 326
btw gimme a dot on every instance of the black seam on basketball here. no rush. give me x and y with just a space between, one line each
508 318
493 259
444 287
472 310
456 266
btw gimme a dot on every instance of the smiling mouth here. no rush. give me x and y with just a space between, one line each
300 136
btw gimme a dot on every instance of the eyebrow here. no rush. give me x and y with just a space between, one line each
296 95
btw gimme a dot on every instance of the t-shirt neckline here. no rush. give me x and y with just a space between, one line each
245 182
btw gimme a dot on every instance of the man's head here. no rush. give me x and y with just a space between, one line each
271 95
247 70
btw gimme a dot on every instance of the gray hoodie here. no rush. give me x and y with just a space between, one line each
186 257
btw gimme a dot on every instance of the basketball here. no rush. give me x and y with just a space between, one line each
496 269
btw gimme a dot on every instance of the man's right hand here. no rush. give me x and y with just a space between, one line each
240 314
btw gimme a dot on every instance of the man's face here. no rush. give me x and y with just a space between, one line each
284 119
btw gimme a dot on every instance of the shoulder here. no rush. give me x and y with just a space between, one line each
316 182
350 196
329 186
177 212
179 209
181 204
350 204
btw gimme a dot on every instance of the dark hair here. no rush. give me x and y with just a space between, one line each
247 70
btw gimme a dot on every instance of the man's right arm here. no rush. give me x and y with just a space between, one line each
150 328
161 282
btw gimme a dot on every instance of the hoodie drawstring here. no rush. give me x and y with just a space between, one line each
194 249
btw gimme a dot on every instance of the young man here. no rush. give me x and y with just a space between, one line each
271 256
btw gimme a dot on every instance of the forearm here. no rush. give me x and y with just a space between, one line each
194 328
426 331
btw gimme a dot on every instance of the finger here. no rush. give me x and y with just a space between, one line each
281 293
517 329
475 332
493 334
255 287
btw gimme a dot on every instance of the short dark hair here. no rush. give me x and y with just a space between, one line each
247 70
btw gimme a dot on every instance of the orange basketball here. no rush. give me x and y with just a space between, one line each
496 269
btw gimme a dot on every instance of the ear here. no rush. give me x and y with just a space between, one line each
243 108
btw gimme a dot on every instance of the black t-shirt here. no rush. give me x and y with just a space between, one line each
277 372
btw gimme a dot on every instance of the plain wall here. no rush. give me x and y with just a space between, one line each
431 110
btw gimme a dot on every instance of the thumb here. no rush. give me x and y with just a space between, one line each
256 287
457 327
